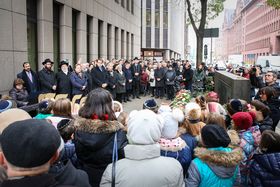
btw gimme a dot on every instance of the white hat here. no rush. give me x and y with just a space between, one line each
192 111
144 127
171 119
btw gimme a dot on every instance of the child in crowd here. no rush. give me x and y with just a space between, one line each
45 109
170 144
264 170
216 164
201 101
212 99
61 110
144 82
249 140
118 108
123 119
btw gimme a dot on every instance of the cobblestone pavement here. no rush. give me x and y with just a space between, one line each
137 104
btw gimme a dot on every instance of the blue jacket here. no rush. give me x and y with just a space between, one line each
265 170
77 83
220 169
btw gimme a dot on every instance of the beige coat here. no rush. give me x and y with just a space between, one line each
143 166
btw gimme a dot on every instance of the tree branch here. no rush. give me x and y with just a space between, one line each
191 16
203 15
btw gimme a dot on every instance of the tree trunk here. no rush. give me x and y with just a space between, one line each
199 49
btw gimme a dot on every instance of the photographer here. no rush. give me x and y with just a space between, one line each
270 79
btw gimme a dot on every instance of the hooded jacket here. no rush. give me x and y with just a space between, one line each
215 167
94 141
143 166
265 170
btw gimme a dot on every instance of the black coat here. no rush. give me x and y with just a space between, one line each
121 80
98 77
68 174
128 76
30 86
136 69
264 170
47 80
94 141
159 73
274 105
188 76
266 124
44 180
63 83
19 96
112 82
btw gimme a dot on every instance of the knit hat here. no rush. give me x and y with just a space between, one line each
192 111
171 119
5 105
150 104
214 136
144 127
212 97
9 116
30 143
243 120
236 105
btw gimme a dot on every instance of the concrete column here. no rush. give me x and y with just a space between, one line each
144 36
153 24
118 44
161 25
132 46
103 35
123 45
93 39
167 55
82 37
128 46
169 25
111 39
45 30
65 34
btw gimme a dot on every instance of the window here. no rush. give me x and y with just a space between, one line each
157 19
156 37
56 49
132 6
127 5
89 44
148 17
148 4
32 47
100 31
165 5
148 37
123 3
165 38
157 4
165 19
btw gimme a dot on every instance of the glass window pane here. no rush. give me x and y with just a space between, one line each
148 18
157 19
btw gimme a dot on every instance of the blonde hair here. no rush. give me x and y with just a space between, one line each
62 107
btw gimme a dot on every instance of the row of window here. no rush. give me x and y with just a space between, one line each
128 4
264 43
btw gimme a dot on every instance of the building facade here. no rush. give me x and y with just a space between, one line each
163 29
253 30
33 30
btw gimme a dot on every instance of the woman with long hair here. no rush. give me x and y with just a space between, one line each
94 137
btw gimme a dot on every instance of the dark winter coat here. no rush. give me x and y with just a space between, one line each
44 180
159 74
30 86
112 82
47 80
68 174
121 80
128 76
274 105
77 83
94 141
63 83
89 81
265 170
261 84
188 76
19 96
170 76
98 77
136 69
266 124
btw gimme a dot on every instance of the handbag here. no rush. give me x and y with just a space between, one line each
114 159
152 80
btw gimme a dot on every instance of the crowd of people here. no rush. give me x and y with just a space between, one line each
202 143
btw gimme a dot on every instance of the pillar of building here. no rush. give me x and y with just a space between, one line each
167 55
103 35
128 46
144 36
65 34
93 37
118 43
161 25
82 37
111 38
45 30
153 24
123 45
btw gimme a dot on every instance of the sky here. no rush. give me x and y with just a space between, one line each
217 22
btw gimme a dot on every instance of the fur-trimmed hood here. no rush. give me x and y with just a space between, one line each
219 158
223 162
97 126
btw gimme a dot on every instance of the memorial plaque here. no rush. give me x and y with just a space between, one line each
230 86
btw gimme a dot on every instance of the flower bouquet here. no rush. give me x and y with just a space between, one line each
182 98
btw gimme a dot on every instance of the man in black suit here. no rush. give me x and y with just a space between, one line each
31 83
47 77
99 76
136 73
63 79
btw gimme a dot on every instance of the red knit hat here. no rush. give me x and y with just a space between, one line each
243 120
